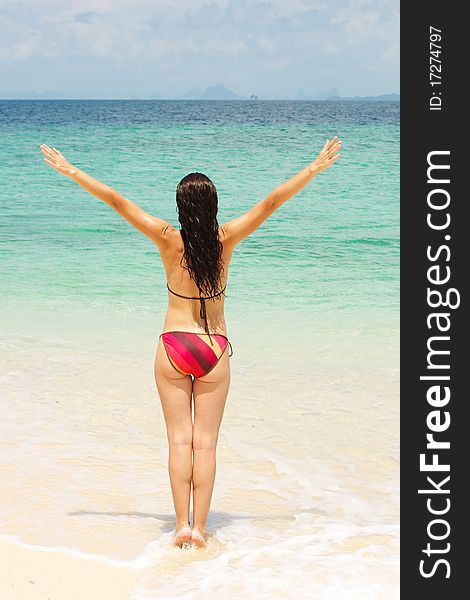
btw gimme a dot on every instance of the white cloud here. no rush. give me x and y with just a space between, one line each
103 45
290 8
391 54
331 49
364 23
267 46
226 48
196 43
277 65
24 49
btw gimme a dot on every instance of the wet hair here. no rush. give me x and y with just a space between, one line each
197 205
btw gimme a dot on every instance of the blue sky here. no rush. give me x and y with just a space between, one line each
121 48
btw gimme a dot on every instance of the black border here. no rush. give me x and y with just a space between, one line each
423 131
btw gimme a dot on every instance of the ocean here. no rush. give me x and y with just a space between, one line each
307 483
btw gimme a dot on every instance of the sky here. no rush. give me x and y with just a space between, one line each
133 48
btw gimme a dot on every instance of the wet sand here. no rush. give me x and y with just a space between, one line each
307 484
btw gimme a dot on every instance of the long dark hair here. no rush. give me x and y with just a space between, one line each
197 205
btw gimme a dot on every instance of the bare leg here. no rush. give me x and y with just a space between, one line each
175 391
210 393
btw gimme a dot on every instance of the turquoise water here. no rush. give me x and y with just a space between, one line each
332 247
307 483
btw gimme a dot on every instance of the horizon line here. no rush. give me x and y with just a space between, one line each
330 99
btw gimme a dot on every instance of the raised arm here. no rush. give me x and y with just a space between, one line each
236 230
154 228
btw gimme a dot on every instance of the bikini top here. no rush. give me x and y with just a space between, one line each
196 297
202 311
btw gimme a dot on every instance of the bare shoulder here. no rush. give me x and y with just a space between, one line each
170 240
226 235
223 236
169 232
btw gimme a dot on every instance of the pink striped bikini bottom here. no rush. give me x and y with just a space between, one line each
192 353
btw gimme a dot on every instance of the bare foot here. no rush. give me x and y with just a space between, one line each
198 538
184 534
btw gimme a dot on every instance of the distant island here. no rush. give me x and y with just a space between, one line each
220 92
213 92
384 97
333 94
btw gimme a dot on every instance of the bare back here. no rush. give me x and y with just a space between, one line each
184 314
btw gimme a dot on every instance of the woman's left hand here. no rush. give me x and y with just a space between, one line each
57 160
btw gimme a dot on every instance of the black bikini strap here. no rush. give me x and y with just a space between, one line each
195 297
202 310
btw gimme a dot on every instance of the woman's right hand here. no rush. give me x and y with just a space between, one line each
55 159
327 156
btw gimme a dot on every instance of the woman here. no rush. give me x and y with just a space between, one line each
191 360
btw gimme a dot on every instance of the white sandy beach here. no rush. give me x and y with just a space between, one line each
34 573
306 488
